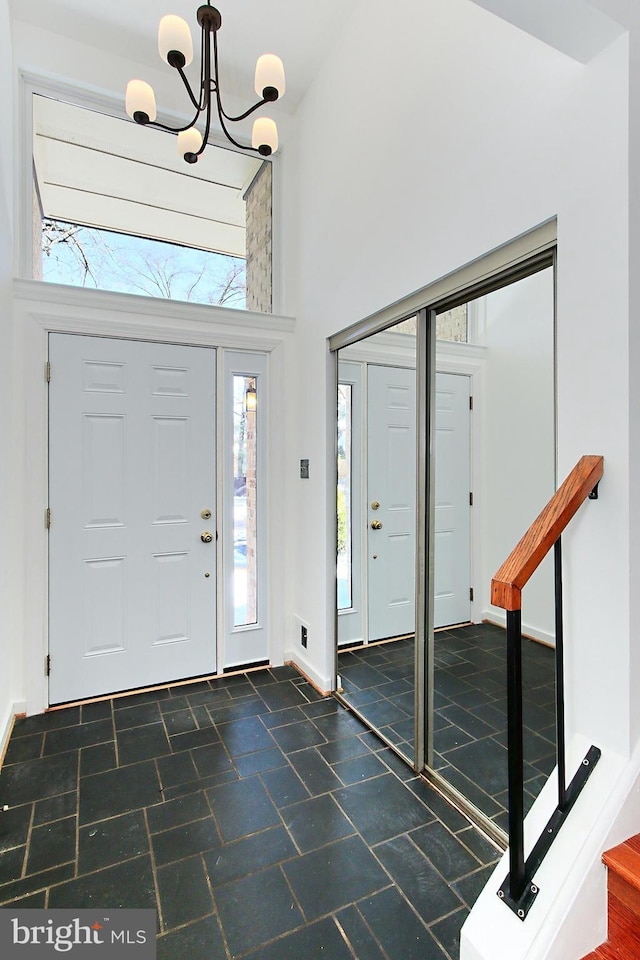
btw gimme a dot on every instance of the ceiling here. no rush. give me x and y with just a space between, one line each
299 31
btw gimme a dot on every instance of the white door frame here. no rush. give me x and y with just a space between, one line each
468 360
40 309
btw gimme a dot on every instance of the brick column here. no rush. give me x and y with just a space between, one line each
258 241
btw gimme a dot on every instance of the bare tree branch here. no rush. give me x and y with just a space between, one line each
174 273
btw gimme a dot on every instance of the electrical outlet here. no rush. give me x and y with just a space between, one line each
303 636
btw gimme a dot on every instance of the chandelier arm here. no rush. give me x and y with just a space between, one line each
163 126
206 90
221 113
205 55
247 113
189 90
206 87
241 146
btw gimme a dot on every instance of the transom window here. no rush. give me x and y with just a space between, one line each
116 210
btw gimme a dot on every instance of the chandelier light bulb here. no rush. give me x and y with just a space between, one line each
140 100
269 76
174 36
264 138
189 142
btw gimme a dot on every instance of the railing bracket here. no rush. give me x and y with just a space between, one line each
594 493
522 905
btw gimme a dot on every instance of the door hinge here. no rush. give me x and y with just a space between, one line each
47 665
47 519
470 498
470 403
471 594
47 371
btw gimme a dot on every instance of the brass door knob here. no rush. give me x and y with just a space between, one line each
206 537
376 524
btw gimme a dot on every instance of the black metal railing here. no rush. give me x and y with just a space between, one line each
519 889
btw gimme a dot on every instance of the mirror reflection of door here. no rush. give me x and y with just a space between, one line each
391 501
376 530
493 446
377 524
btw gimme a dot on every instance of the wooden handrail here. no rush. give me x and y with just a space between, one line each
506 586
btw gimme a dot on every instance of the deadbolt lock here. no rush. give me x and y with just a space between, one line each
376 524
206 514
206 537
375 505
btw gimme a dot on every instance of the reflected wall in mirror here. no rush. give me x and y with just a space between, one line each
511 435
376 530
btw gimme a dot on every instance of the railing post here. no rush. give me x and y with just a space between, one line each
560 738
515 755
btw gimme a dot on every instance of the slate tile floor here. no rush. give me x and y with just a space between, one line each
261 820
470 708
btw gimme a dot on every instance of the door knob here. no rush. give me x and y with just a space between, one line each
376 524
206 537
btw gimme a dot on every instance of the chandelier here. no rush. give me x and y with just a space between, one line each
176 48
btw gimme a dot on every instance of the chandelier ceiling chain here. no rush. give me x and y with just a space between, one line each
176 48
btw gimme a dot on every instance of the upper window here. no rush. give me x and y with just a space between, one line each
116 210
453 325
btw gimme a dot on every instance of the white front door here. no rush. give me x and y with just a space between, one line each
391 484
132 585
452 602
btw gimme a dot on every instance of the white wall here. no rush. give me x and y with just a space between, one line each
518 438
9 681
420 147
633 364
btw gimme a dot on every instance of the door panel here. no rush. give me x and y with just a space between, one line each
452 602
131 462
391 482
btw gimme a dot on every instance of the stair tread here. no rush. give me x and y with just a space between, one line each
634 843
624 861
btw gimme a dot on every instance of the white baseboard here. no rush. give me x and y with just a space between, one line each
499 618
322 684
6 726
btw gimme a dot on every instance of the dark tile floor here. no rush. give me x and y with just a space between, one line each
470 698
261 820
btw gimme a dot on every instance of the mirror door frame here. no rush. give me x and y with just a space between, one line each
522 257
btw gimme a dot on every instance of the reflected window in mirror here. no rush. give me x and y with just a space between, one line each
345 565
